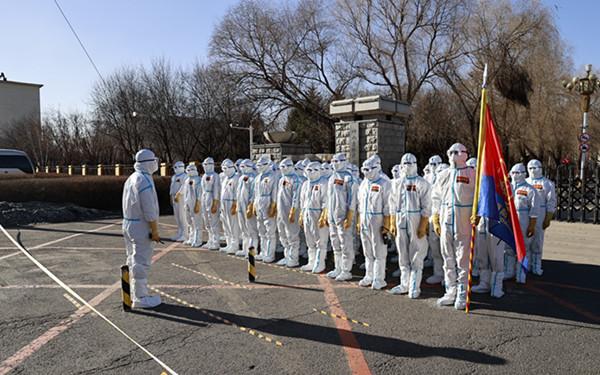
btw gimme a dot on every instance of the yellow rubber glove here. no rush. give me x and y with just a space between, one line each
358 224
215 206
154 231
475 220
437 227
197 207
348 219
272 209
292 215
387 225
393 229
234 208
177 197
250 210
300 220
531 226
547 219
422 229
323 218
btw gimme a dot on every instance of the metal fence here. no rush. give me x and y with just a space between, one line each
578 200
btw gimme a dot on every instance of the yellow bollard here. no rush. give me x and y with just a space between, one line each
251 266
125 290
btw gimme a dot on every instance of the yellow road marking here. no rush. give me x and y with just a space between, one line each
241 328
364 324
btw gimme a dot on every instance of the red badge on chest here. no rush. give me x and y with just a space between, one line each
207 178
245 178
462 179
316 188
522 192
539 187
411 187
337 181
375 188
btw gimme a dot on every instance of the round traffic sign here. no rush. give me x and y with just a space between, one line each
584 137
584 147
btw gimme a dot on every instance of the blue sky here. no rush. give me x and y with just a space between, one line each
37 46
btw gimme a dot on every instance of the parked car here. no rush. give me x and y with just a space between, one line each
14 162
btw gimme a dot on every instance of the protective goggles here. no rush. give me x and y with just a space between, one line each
453 152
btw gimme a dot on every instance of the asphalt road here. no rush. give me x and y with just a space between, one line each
214 322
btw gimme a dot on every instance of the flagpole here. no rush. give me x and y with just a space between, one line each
480 146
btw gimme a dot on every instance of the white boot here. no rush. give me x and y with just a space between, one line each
448 298
282 261
497 279
140 296
378 284
414 290
337 266
484 282
320 260
344 276
311 261
365 281
461 297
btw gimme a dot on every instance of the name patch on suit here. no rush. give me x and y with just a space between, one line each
462 179
178 180
245 178
539 187
207 178
522 192
316 188
285 183
337 181
375 188
411 187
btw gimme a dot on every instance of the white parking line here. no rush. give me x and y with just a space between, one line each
59 240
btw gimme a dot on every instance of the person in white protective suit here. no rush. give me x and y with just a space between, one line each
313 201
140 226
176 201
245 208
441 167
452 200
229 218
299 168
209 202
410 204
490 254
472 163
238 163
191 191
547 196
433 239
326 170
528 208
342 190
374 222
288 196
396 172
265 208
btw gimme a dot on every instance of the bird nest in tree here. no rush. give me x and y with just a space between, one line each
513 83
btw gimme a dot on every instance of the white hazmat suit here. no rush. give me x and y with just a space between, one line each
265 208
342 191
178 206
547 197
452 200
191 190
209 202
140 226
374 222
410 204
313 200
229 211
288 196
433 239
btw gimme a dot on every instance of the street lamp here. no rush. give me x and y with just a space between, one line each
585 87
250 129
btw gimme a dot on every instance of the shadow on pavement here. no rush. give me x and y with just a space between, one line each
288 286
327 335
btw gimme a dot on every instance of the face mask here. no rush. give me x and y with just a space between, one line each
287 169
192 172
262 168
457 158
229 171
179 170
517 177
338 165
408 169
153 166
313 174
243 169
369 172
535 172
208 168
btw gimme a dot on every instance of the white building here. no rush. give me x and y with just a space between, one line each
18 101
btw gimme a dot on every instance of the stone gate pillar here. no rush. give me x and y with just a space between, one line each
371 125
